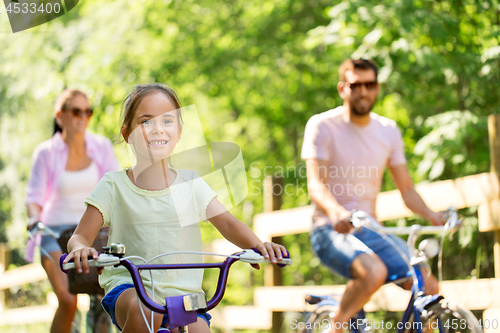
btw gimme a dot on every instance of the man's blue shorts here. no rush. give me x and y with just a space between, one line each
109 301
337 251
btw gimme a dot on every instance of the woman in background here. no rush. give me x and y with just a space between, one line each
65 170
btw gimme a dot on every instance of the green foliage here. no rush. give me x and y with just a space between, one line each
454 145
307 268
257 71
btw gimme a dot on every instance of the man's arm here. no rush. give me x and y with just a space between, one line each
411 198
317 176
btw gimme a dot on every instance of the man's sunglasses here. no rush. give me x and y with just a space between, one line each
357 85
81 113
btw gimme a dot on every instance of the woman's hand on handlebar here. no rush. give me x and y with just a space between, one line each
31 225
32 222
274 252
80 257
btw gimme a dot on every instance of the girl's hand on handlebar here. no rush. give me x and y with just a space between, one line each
274 252
80 258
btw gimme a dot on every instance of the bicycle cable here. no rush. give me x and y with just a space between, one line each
30 235
150 328
441 248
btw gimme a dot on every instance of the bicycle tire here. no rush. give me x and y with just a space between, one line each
446 312
320 320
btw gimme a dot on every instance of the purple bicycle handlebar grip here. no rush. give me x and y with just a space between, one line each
286 255
61 259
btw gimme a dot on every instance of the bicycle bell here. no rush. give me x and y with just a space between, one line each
429 246
118 249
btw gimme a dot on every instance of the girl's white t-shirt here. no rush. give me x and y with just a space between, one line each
68 204
150 223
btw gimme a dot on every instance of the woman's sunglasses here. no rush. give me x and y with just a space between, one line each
81 113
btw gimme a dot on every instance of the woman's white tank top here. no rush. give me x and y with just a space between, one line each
69 202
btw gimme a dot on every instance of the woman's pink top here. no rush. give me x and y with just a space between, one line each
49 162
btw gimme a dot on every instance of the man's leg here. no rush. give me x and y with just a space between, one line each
368 275
431 284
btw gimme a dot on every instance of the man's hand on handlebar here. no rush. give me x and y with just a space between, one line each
341 221
437 218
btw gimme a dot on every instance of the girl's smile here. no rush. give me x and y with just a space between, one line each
157 143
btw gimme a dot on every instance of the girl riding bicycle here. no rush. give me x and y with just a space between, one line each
147 207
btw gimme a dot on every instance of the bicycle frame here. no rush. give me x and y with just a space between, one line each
181 310
152 305
419 300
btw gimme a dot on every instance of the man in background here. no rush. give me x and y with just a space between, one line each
346 150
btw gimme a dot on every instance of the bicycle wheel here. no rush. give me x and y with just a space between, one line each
320 320
451 317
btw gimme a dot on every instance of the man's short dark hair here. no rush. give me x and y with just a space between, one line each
351 64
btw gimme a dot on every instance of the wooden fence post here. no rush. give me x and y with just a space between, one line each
493 206
273 188
4 264
489 212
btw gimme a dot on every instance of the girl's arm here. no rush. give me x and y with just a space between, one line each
240 234
80 244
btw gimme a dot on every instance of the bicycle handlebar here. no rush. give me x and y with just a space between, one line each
360 219
250 256
39 226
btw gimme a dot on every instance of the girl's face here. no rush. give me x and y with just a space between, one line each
75 118
156 128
